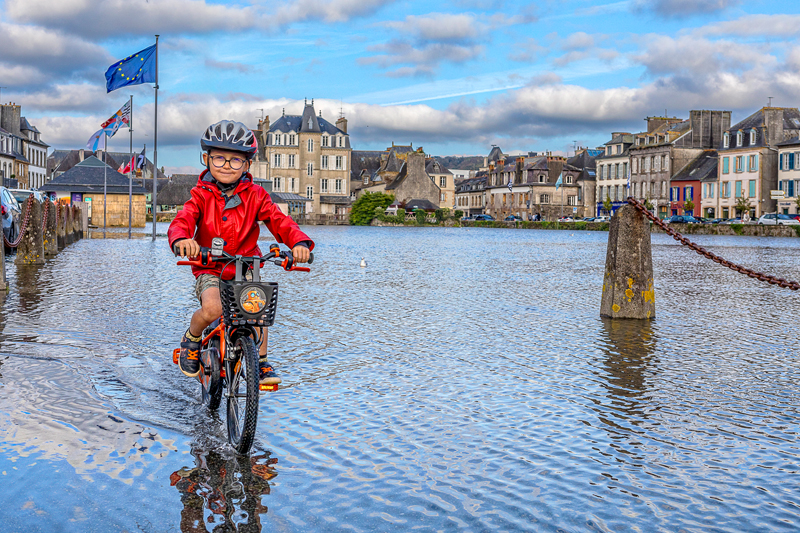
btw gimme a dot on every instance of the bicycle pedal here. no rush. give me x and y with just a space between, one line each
176 354
267 388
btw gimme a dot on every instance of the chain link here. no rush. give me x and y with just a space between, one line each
24 226
772 280
46 206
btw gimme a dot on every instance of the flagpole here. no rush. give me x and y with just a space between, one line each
130 171
155 152
105 179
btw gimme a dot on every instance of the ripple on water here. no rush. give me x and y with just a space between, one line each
463 380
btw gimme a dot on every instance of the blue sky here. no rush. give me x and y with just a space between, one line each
453 77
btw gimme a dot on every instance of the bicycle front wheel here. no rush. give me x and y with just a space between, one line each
243 394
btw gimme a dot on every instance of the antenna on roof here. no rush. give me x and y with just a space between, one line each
283 113
770 101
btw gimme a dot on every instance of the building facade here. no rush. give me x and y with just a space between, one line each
789 175
612 173
691 183
445 180
308 156
24 144
748 166
470 196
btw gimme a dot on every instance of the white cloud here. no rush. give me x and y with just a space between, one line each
329 11
774 26
439 27
110 18
684 8
578 41
243 68
421 60
76 97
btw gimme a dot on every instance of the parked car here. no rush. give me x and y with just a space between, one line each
512 218
22 194
603 218
466 218
483 217
682 219
782 220
11 213
589 219
732 221
714 221
566 219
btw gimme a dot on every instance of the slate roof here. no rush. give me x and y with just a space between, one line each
432 166
87 177
623 138
471 185
364 160
298 123
399 179
703 167
178 190
281 197
427 205
586 161
757 121
495 154
338 200
790 142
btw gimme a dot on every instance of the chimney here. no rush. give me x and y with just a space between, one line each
342 124
9 118
80 155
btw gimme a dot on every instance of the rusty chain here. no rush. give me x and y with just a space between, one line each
24 226
772 280
46 207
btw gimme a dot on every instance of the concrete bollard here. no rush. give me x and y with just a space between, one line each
69 233
76 217
628 282
50 231
61 236
3 282
31 248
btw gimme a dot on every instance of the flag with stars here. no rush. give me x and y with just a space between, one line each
133 70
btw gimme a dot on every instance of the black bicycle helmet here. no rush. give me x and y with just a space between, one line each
229 135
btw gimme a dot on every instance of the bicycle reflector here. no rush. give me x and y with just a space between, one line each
217 243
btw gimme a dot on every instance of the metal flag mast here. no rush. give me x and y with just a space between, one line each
130 171
105 179
155 152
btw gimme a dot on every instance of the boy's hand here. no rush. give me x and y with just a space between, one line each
300 254
187 248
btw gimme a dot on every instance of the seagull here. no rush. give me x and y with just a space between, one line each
363 263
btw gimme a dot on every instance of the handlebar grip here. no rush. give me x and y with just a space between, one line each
301 269
310 257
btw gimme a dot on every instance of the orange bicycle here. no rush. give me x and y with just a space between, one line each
230 344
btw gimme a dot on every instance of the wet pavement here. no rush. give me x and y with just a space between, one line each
462 381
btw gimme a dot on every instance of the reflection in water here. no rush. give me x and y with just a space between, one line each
223 492
29 285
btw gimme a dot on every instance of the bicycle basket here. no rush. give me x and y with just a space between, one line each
248 302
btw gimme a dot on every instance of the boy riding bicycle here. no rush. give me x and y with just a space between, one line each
225 203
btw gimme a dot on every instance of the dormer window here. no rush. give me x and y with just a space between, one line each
325 141
310 124
739 138
726 140
753 135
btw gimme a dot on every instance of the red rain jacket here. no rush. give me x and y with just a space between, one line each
206 216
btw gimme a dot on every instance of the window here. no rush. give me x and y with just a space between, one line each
541 178
738 189
276 184
340 140
619 148
674 194
324 162
624 170
664 163
739 163
616 193
726 165
569 179
752 163
726 140
276 160
753 137
311 145
544 199
635 165
339 162
616 171
293 183
646 164
310 192
442 181
310 169
277 139
325 141
284 138
291 139
656 164
752 189
725 191
323 184
442 197
292 161
338 186
739 138
572 200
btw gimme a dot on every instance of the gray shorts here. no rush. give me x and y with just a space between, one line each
206 281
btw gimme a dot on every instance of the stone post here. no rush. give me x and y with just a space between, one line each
31 248
3 282
61 238
628 282
76 223
69 230
50 238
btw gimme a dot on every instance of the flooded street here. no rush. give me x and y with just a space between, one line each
463 380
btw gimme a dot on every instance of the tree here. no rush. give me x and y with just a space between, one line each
743 205
607 205
420 214
688 207
363 210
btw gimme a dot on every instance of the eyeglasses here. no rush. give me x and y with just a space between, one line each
235 162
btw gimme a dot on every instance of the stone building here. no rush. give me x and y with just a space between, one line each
308 156
789 175
748 166
612 172
23 142
470 195
691 182
668 145
7 159
411 184
444 179
84 182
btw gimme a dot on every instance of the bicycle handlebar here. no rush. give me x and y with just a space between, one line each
276 256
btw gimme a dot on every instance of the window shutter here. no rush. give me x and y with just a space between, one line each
791 163
781 161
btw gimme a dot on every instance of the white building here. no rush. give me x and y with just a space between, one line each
789 175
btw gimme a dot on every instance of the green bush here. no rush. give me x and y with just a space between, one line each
458 215
738 229
401 213
420 215
366 208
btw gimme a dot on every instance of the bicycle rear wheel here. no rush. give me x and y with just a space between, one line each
242 376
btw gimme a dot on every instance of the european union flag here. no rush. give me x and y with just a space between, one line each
133 70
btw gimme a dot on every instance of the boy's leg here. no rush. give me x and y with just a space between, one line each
266 374
207 290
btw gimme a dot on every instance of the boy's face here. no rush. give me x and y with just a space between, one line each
226 174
